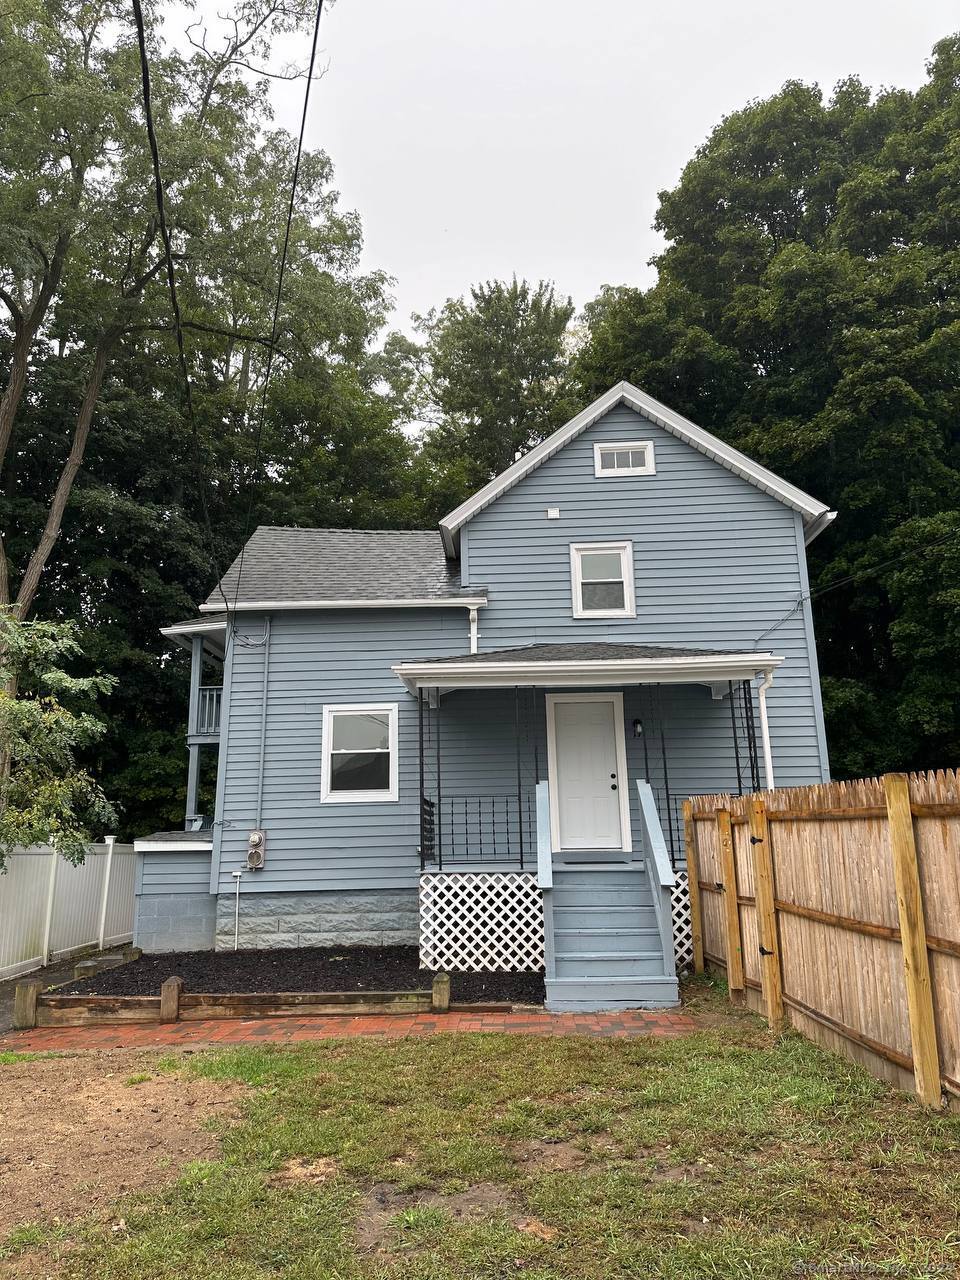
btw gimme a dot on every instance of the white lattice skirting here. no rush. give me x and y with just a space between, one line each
682 926
475 922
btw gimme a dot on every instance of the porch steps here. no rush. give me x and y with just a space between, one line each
616 940
577 919
607 949
610 964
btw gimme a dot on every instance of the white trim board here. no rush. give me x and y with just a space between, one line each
272 606
173 846
623 791
816 515
598 672
191 628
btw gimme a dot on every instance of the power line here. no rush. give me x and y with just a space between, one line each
276 303
855 577
885 564
172 279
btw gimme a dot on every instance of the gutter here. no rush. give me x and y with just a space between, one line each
274 606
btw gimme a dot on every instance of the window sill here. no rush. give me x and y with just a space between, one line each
360 797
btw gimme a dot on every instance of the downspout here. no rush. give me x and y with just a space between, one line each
764 685
263 721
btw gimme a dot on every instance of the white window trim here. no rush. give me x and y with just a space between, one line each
649 467
332 709
625 550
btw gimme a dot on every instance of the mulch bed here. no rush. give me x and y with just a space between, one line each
304 969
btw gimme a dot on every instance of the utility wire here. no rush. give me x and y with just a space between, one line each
855 577
257 457
172 279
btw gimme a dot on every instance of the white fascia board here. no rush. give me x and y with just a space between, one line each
274 606
172 846
201 626
669 420
606 671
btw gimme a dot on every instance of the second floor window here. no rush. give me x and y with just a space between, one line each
602 580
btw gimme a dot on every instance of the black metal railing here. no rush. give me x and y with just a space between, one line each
428 831
459 830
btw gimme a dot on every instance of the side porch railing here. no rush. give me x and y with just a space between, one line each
659 869
207 723
469 829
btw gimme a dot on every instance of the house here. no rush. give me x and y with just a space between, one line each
480 737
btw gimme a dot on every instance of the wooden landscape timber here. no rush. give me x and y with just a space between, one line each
34 1008
846 917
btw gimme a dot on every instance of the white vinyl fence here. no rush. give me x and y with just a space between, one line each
50 909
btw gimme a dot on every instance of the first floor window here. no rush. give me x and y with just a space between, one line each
602 580
360 752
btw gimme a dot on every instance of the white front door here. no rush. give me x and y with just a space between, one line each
587 762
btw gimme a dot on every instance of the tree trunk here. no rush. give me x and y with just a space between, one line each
27 326
61 496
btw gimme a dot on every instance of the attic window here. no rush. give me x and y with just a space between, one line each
602 580
630 458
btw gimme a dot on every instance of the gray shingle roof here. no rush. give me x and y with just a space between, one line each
342 564
586 651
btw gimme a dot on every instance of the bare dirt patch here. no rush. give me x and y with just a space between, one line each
303 1172
74 1137
552 1157
383 1202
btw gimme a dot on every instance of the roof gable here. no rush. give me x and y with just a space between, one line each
816 515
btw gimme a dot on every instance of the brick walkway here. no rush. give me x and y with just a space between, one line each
228 1031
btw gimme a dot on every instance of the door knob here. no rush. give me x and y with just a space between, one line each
613 786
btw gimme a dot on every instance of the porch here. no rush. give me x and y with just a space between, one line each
551 785
492 727
205 638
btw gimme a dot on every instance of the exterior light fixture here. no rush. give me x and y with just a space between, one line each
638 728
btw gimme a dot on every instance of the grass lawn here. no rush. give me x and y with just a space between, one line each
725 1153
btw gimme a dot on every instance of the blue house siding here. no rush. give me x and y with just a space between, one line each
174 910
319 658
717 563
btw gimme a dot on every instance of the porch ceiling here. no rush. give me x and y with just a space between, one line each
584 665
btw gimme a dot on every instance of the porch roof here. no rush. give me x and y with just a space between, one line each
584 664
212 629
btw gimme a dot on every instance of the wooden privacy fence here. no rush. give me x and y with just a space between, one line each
50 908
837 907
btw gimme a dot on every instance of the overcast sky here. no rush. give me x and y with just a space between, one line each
478 140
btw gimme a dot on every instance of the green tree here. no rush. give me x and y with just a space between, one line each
492 376
45 796
131 549
808 311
